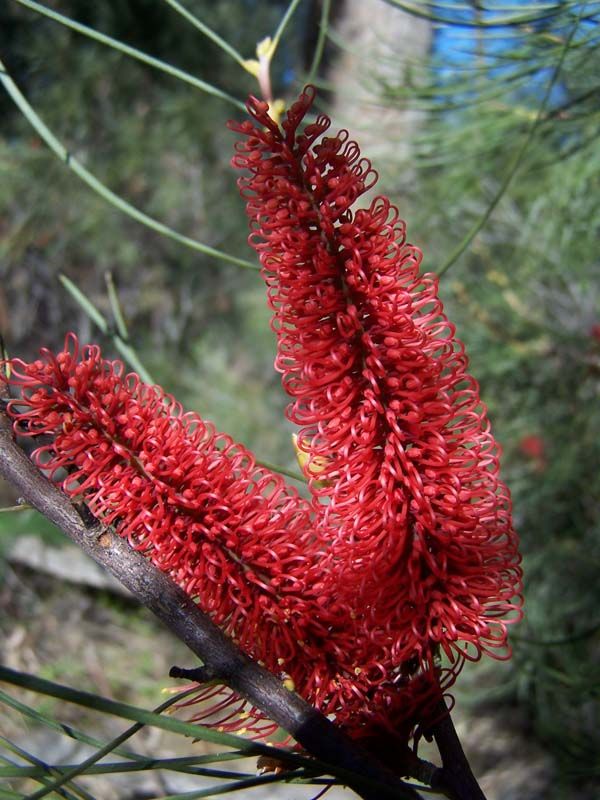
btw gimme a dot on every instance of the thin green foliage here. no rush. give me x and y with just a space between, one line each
207 31
321 39
518 158
115 307
183 765
125 349
307 767
44 773
423 10
68 776
92 181
188 764
139 715
285 20
132 52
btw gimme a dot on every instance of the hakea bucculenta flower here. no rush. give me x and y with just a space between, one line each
399 453
369 598
229 532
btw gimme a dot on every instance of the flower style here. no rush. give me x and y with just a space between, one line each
400 457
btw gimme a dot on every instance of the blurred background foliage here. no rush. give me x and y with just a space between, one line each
524 294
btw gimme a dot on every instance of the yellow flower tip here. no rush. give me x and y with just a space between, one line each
265 49
252 66
276 110
281 661
264 53
289 684
316 465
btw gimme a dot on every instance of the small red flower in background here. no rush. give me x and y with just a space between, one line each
391 421
533 446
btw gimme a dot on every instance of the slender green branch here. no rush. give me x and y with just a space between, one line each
126 350
81 768
139 715
44 772
518 158
290 473
510 20
110 767
214 37
185 765
132 52
107 194
283 24
233 786
320 46
12 509
115 306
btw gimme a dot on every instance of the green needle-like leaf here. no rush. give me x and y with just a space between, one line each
88 178
131 51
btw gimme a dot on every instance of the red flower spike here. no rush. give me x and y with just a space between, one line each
401 461
230 533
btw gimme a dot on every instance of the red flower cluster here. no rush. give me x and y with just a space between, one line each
395 433
229 532
407 554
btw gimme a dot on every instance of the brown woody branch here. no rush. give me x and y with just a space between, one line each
224 660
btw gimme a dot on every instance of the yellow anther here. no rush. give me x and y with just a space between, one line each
313 466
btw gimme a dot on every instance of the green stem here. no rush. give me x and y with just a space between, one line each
125 711
510 20
115 306
126 350
44 771
132 52
197 23
110 767
290 473
90 180
283 24
183 765
320 46
68 776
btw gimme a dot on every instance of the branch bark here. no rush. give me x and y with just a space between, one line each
456 775
182 616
